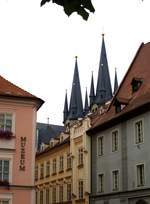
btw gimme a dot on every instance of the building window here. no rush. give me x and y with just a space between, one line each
36 197
41 197
115 141
47 168
115 177
101 183
68 191
80 189
36 172
139 131
54 166
140 175
4 170
6 121
41 171
4 201
54 195
69 161
61 163
80 156
47 195
61 193
100 146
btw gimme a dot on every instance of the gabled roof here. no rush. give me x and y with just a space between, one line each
138 101
10 90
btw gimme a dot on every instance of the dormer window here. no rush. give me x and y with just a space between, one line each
120 104
51 144
136 83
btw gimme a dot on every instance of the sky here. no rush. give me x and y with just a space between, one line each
38 46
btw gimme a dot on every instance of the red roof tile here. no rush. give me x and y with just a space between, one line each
139 69
8 89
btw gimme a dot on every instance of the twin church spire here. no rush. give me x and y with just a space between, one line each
103 90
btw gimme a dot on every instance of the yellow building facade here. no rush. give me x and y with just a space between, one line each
81 159
62 169
53 172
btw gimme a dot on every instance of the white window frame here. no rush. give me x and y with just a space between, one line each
54 166
69 161
99 189
113 150
42 170
80 193
135 136
13 120
69 191
61 193
137 182
36 172
6 196
54 194
47 168
100 151
115 189
8 156
80 156
47 195
61 163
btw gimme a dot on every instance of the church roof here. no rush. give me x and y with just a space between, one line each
92 92
103 90
137 100
86 103
76 105
66 111
115 82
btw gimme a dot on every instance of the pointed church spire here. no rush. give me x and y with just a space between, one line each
65 108
76 105
115 82
92 92
104 90
86 104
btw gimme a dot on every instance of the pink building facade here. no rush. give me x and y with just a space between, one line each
17 144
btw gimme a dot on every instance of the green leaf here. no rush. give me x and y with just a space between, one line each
88 5
44 1
82 7
82 12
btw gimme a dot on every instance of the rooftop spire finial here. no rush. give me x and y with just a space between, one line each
115 81
103 90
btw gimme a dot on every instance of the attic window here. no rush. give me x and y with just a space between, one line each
136 83
120 104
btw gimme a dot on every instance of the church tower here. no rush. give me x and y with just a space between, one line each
103 90
76 105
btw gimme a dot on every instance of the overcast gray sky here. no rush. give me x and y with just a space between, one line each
38 46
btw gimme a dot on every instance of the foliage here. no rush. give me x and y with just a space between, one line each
82 7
